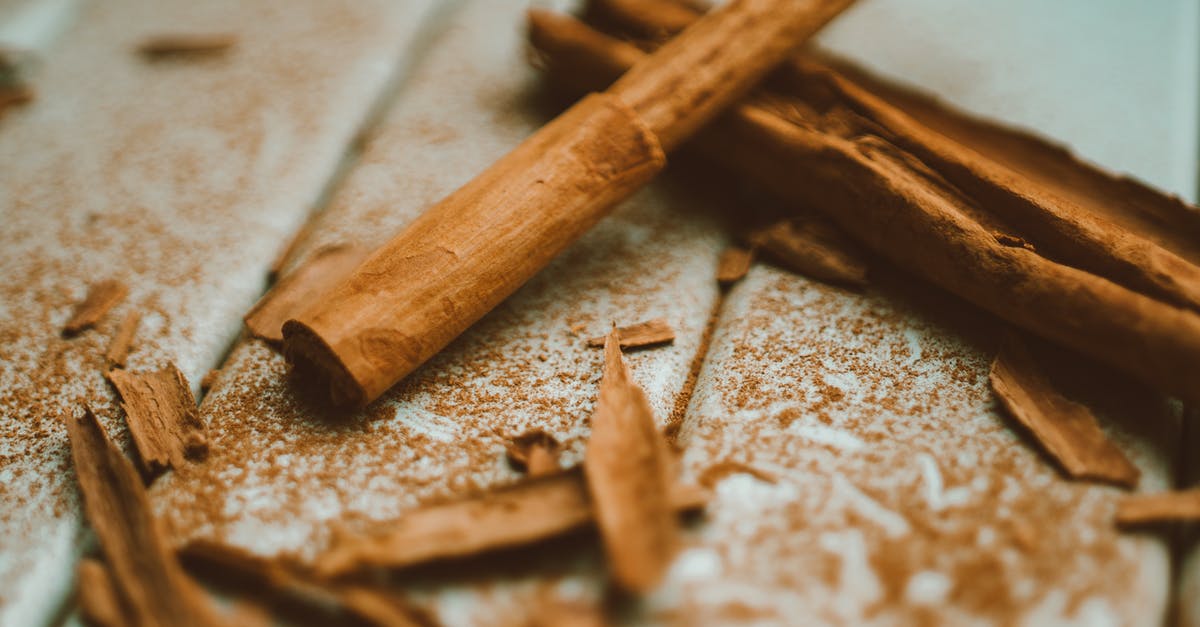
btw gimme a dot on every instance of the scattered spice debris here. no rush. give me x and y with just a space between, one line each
648 333
733 265
301 287
289 587
185 45
148 578
118 348
1066 429
525 512
627 468
1141 509
535 452
99 602
100 298
162 417
814 249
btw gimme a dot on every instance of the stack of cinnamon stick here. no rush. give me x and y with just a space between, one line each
995 216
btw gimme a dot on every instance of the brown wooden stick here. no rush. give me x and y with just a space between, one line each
1054 219
469 252
896 205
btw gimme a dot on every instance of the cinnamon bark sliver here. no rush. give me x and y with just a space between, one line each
151 584
185 45
301 288
529 511
285 584
99 602
642 334
628 476
812 249
118 348
101 297
1066 429
1140 509
733 265
535 452
162 417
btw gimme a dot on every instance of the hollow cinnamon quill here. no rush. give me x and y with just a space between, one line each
820 146
466 254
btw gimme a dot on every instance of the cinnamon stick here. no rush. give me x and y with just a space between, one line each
813 249
629 478
526 512
640 335
118 348
469 252
101 297
827 155
733 265
151 585
307 283
162 417
1141 509
1066 429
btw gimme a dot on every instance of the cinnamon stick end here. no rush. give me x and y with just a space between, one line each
315 361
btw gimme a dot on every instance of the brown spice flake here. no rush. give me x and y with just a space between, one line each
209 379
733 265
515 515
1066 429
535 452
642 334
162 417
145 573
185 45
1141 509
1012 241
100 298
813 249
289 586
99 602
118 348
628 476
718 471
300 288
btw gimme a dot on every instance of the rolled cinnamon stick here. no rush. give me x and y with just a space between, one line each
467 253
897 204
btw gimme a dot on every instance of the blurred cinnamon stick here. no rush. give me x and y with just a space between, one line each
821 145
475 248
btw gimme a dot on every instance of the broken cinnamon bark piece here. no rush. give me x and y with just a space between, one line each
733 265
1140 509
301 287
14 96
99 603
813 249
628 476
289 587
648 333
162 417
118 348
519 514
535 452
100 298
1066 429
145 573
185 45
